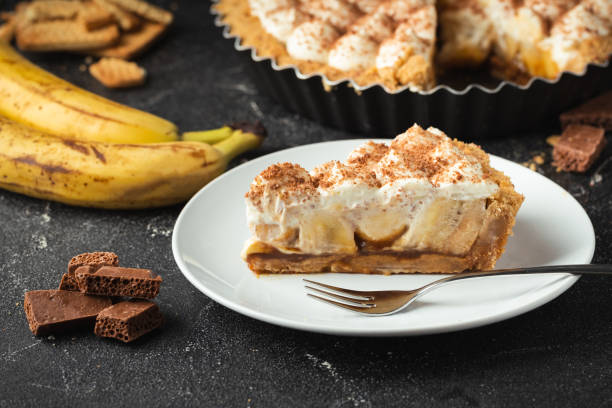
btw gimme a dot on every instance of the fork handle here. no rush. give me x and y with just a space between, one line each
602 269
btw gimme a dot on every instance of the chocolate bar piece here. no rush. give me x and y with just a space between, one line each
578 148
128 320
116 281
69 282
595 112
95 259
57 311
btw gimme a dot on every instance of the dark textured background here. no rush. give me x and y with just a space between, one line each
558 355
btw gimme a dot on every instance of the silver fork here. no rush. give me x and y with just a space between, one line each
386 302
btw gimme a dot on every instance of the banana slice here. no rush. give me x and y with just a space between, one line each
445 226
274 235
326 233
463 237
381 228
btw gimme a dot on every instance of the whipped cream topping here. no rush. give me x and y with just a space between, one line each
353 51
351 34
550 10
557 26
278 17
401 179
312 41
588 20
365 6
338 13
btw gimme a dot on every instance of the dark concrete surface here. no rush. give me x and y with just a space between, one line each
559 355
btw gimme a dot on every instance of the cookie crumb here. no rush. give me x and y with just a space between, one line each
553 139
539 159
117 73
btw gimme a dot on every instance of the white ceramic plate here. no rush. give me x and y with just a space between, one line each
551 228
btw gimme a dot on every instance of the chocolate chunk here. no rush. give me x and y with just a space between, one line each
595 112
578 148
95 259
128 320
69 282
116 281
57 311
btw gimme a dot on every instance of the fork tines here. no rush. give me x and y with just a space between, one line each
350 299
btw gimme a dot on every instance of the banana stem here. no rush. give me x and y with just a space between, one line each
209 136
238 143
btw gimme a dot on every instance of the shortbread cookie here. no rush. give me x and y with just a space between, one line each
94 17
127 21
146 10
132 44
64 35
52 10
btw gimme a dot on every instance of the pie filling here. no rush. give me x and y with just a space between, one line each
425 203
401 42
372 260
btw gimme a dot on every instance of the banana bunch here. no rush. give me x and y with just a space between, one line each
62 143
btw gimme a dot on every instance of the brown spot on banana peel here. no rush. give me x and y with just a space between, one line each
206 164
75 146
194 151
202 156
136 192
31 160
99 154
174 146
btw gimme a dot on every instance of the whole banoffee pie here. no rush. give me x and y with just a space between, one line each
399 43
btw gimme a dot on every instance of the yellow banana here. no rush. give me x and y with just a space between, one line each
35 97
111 175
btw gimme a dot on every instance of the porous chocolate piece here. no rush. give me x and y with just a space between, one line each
69 282
57 311
128 320
595 112
578 148
95 259
116 281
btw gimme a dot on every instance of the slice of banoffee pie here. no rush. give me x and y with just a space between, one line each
422 204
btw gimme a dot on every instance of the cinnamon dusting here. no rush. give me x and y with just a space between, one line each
417 153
